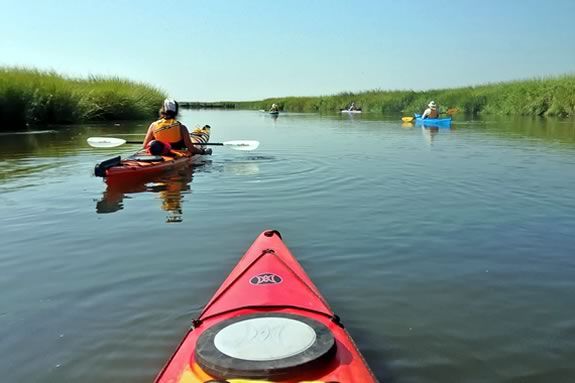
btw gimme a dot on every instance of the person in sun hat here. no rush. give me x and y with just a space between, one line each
168 133
431 111
274 108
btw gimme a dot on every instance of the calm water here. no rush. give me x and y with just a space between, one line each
449 255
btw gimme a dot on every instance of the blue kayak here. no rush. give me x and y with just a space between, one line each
437 122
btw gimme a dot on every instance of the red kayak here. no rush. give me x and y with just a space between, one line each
267 323
142 166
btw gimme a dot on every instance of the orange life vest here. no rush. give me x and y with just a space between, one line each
167 130
433 114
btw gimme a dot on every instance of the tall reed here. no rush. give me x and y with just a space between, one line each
551 96
30 96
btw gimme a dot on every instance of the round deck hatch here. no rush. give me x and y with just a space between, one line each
270 345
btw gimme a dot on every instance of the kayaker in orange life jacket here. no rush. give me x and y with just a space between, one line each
168 130
431 111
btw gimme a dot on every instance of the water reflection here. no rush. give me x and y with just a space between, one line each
171 189
429 134
28 132
350 116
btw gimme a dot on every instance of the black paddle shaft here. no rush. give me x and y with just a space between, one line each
199 143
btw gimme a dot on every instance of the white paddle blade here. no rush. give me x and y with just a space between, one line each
105 142
245 145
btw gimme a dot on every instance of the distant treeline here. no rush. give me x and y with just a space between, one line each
207 105
553 96
29 97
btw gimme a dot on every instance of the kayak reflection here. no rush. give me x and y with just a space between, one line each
429 134
407 125
170 188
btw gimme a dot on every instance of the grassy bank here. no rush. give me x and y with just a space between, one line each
29 97
554 96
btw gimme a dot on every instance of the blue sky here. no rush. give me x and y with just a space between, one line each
241 50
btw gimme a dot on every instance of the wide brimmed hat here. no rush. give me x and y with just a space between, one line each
432 104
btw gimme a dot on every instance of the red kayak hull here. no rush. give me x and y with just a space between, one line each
130 171
268 279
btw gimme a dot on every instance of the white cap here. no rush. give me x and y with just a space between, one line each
432 104
170 105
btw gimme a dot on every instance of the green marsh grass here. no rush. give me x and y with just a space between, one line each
30 97
552 96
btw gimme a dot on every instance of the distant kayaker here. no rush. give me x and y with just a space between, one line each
352 106
431 111
274 108
167 133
